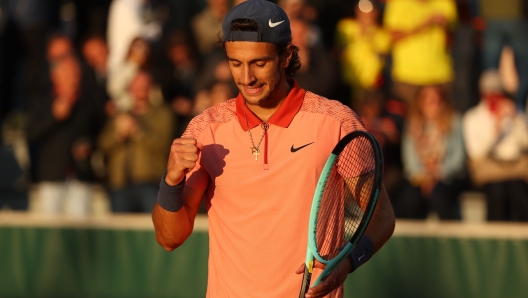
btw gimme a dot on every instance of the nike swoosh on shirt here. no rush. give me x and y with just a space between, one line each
299 148
271 24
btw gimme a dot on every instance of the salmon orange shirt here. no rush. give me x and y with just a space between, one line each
259 209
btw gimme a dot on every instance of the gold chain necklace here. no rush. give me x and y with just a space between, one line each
255 149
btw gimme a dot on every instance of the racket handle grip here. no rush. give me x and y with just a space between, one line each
306 282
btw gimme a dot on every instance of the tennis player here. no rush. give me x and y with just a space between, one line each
256 160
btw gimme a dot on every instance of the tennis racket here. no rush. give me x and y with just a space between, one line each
343 203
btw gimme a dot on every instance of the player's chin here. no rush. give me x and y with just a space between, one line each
255 100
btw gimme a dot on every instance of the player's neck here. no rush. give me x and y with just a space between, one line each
262 113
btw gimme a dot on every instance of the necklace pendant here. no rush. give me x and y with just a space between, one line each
255 151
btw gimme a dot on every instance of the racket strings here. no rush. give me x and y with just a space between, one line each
345 197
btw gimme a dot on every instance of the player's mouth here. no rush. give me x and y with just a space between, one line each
252 90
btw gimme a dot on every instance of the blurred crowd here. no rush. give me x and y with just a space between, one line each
92 93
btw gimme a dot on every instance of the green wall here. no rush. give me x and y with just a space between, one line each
99 262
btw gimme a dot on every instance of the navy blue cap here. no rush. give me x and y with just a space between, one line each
273 23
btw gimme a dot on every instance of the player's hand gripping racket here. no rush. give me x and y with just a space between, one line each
343 203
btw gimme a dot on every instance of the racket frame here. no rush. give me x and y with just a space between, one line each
318 194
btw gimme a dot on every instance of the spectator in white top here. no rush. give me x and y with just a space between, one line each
128 19
496 139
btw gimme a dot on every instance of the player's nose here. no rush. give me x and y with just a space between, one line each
247 77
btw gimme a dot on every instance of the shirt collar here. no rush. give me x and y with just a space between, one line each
282 117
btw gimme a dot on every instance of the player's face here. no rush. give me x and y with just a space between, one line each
258 71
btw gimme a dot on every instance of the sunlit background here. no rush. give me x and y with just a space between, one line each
92 93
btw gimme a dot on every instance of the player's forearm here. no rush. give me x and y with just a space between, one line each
382 223
174 213
172 228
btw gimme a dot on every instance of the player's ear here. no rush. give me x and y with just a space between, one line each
287 56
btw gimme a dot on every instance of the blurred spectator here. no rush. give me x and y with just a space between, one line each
59 48
419 30
95 53
465 45
386 128
496 137
219 92
177 77
293 8
215 68
207 25
363 45
136 146
506 25
433 157
300 10
214 71
137 59
61 129
127 20
318 70
214 84
14 162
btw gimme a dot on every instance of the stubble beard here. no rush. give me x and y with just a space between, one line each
268 101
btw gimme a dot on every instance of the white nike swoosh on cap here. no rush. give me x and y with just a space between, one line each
271 24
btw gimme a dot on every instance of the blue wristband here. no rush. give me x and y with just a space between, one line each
169 197
362 252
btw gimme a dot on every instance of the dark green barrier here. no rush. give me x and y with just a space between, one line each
42 262
417 267
107 262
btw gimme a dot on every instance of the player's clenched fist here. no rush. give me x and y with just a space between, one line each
183 156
